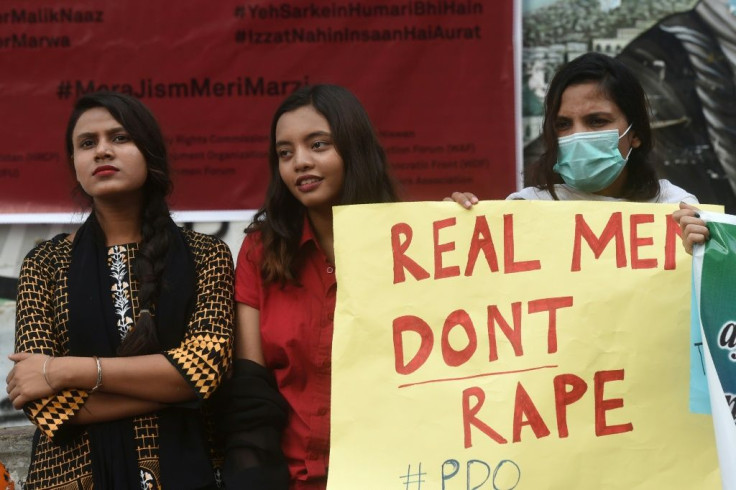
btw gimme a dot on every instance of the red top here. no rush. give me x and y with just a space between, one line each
296 328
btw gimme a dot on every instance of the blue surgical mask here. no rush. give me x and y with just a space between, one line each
590 161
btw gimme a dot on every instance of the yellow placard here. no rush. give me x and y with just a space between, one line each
519 345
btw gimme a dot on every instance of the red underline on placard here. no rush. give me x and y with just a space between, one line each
442 380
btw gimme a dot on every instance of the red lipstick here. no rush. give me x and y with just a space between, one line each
105 170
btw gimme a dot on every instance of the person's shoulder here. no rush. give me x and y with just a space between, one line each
670 193
51 250
252 247
530 194
204 245
252 239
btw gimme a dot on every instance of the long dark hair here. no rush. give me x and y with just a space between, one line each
367 178
145 132
620 85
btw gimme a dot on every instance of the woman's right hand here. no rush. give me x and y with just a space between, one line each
693 228
465 199
26 381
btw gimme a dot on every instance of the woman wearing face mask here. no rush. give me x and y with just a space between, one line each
597 139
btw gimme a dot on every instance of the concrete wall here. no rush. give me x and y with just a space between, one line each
15 451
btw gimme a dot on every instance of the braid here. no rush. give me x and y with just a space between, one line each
149 267
150 261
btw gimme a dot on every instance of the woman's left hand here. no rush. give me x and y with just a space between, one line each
465 199
25 380
694 230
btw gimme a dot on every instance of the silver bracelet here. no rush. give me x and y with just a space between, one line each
99 375
45 375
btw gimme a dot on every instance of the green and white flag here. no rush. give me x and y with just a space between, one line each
714 280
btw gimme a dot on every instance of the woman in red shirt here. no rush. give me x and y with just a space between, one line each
323 152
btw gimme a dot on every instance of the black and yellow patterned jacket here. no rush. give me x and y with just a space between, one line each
42 327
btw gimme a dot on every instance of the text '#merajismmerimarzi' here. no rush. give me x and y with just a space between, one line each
205 87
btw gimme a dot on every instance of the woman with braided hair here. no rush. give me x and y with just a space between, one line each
123 328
